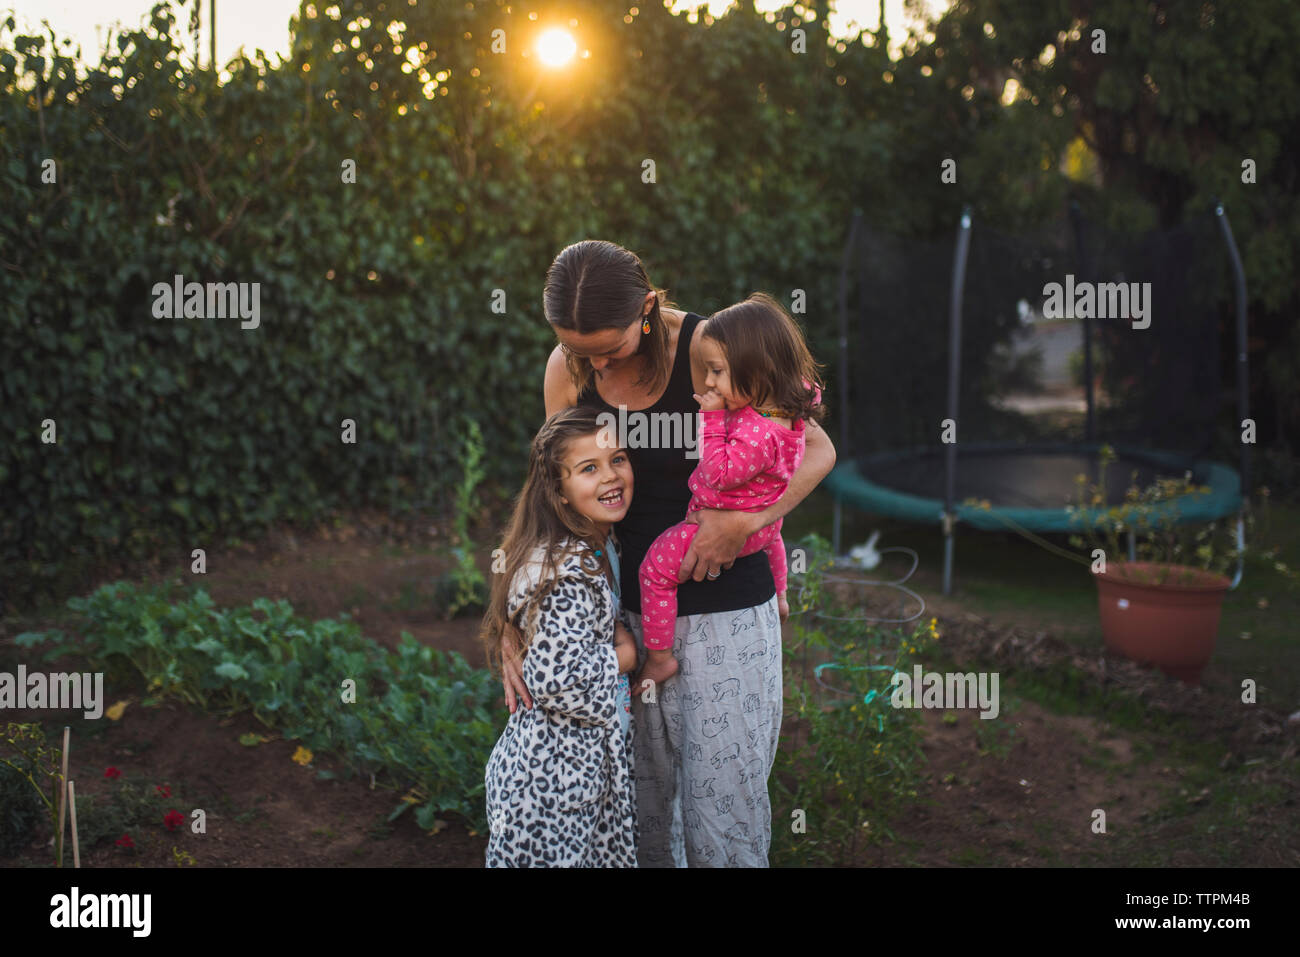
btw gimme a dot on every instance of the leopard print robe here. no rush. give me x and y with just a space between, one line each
559 781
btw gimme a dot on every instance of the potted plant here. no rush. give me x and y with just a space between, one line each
1163 607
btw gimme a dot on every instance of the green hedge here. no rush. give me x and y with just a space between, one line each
473 168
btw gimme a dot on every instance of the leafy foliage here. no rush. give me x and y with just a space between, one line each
464 586
423 718
472 170
128 807
474 167
21 811
1154 130
28 765
848 759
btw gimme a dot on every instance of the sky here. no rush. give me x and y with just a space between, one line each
264 24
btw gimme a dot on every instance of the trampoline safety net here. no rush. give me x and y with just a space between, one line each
1156 302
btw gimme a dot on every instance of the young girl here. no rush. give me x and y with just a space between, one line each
762 385
558 783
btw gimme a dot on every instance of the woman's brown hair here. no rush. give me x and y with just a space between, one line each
767 357
540 519
594 285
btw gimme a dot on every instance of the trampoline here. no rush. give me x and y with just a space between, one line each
1161 381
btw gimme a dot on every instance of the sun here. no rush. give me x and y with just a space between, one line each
556 47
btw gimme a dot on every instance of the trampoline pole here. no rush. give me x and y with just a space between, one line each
1076 219
954 383
844 364
1243 372
844 329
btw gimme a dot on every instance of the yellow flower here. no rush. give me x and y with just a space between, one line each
302 756
115 713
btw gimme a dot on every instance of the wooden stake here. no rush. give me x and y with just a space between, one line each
63 792
72 812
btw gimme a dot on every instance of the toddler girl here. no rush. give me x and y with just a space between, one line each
558 783
762 384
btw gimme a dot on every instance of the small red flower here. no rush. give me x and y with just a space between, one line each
112 773
174 819
125 841
163 789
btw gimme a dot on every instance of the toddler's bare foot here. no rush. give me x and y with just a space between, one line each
660 665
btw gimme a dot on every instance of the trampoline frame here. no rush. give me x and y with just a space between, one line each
1222 480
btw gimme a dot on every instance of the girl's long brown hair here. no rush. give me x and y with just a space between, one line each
594 285
767 356
541 519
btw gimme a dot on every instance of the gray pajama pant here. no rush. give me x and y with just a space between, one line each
704 749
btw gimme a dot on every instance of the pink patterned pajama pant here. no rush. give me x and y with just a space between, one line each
663 562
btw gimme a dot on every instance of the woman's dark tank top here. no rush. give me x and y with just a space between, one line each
660 495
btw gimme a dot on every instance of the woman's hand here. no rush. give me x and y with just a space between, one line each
512 671
721 536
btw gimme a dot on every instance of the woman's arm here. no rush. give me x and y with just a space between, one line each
558 391
722 534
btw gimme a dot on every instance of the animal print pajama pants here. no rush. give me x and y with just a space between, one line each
704 748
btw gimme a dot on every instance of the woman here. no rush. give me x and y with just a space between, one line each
704 744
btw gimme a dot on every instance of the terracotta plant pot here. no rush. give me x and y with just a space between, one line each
1171 625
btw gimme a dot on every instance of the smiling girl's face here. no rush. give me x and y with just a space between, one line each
598 481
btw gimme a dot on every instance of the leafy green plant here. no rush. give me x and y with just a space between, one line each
422 720
1152 516
28 766
464 586
21 809
848 758
126 807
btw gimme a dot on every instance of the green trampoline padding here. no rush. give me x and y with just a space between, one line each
1026 484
